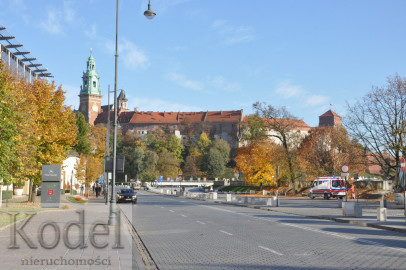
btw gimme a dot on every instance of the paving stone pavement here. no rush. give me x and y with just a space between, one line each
58 255
190 234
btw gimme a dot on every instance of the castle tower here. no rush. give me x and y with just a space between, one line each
90 94
122 101
330 119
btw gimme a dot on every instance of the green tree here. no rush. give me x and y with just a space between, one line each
168 165
215 163
83 145
174 146
224 148
204 143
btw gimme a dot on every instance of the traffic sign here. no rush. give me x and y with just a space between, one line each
402 164
345 169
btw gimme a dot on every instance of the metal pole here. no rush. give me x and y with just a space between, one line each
107 146
71 176
113 214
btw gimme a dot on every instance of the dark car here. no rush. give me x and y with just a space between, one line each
126 195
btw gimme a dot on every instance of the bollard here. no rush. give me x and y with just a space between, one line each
228 198
214 196
273 202
340 202
382 203
348 209
265 192
381 214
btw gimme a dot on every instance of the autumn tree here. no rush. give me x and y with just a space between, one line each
326 149
8 126
281 127
55 126
378 121
257 161
190 168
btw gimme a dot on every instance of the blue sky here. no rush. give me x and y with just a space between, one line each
199 55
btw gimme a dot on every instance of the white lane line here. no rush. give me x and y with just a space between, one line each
226 232
183 216
162 207
182 201
271 250
171 211
198 221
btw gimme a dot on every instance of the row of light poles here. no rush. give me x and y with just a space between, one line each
149 14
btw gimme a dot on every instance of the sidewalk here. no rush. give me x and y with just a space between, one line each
52 239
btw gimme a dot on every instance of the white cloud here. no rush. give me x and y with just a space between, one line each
232 35
132 56
57 18
182 81
154 104
221 83
287 90
315 100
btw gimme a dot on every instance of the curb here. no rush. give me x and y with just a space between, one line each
146 257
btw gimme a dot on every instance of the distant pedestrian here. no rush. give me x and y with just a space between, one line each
81 190
352 192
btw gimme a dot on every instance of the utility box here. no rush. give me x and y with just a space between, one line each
51 186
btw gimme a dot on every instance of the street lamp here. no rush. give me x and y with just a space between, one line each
150 14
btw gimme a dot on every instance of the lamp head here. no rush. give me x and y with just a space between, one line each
149 14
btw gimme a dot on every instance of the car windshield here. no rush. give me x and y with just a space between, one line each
126 191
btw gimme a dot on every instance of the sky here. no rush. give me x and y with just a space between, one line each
197 55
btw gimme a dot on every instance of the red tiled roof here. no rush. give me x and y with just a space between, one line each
329 113
136 117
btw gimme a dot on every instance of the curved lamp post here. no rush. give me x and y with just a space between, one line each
150 14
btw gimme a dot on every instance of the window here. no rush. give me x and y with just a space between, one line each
94 83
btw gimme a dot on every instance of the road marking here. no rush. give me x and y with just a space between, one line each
162 207
198 221
271 250
171 211
182 201
183 216
226 232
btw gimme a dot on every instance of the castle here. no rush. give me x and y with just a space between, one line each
221 124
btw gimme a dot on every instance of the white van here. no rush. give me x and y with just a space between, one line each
330 186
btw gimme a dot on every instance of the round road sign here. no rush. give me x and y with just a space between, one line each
345 169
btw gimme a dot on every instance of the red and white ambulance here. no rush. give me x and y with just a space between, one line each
329 186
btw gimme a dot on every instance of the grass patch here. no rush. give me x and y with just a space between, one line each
73 199
17 207
239 189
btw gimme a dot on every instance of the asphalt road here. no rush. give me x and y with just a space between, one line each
181 233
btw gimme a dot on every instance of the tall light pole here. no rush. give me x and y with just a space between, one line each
150 14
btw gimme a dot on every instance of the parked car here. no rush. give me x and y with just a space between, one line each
399 198
126 195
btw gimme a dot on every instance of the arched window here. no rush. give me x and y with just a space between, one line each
94 83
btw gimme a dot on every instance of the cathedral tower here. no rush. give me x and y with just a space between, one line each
90 94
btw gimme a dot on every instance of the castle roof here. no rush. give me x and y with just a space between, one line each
330 113
136 117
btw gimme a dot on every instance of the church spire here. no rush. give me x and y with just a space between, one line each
90 78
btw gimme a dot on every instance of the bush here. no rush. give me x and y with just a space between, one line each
10 194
